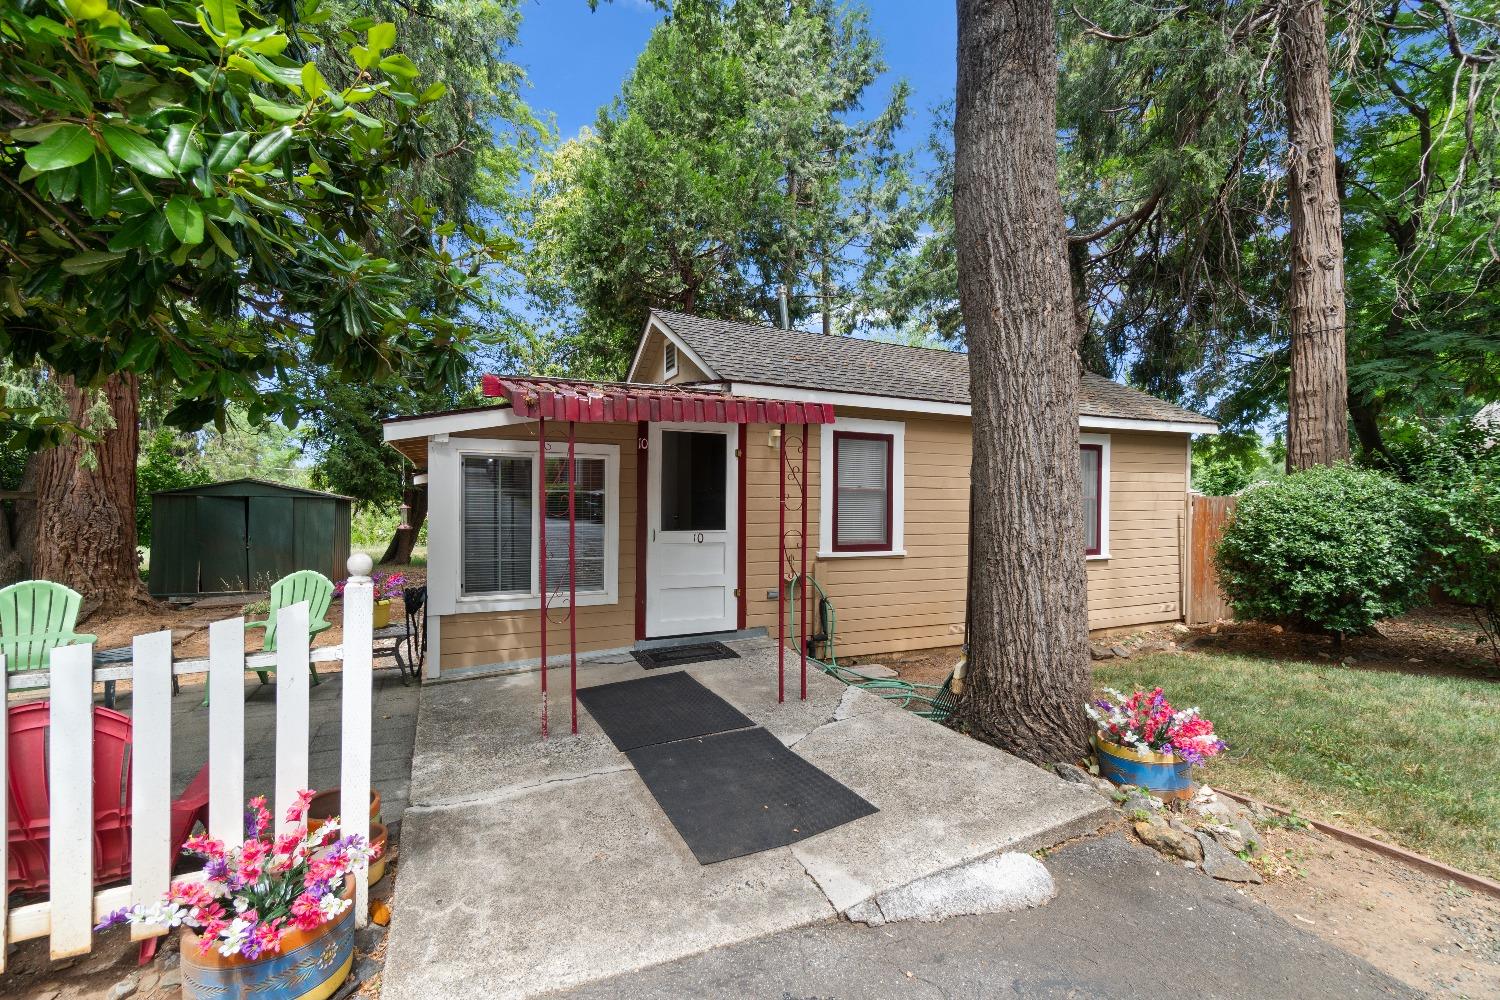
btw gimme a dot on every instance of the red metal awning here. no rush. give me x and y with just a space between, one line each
600 402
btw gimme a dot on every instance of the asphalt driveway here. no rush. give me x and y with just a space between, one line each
1125 924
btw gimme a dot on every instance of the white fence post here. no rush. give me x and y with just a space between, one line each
151 849
70 782
226 731
354 782
292 696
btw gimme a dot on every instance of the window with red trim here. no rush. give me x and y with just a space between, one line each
1092 458
863 491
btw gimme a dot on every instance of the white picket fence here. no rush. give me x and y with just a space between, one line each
67 917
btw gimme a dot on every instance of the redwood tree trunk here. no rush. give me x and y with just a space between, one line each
1028 643
1317 428
85 525
402 542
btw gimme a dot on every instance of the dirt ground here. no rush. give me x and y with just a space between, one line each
1435 936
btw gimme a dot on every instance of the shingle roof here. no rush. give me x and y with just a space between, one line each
746 352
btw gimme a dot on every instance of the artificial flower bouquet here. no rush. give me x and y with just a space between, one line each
387 586
1146 722
248 897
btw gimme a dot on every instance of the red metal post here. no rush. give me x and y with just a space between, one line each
781 570
541 468
572 587
802 642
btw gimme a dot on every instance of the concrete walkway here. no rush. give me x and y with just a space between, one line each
1124 924
530 866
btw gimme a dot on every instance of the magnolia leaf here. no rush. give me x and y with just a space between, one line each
182 147
313 82
87 10
274 111
380 36
270 145
94 177
90 261
186 219
401 66
138 151
69 146
434 91
224 15
228 152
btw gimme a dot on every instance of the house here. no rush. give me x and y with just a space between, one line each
688 484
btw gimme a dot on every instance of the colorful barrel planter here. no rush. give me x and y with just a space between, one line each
325 805
1164 775
311 965
378 838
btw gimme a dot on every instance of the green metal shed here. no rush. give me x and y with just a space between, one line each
243 535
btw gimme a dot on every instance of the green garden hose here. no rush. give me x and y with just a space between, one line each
931 701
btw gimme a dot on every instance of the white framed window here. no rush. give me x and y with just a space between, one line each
669 359
862 489
500 525
1093 458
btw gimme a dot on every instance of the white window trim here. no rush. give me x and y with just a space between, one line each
668 359
1104 515
445 531
897 430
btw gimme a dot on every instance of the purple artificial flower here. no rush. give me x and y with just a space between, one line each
217 870
113 919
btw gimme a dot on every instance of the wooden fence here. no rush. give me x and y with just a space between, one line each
74 905
1205 602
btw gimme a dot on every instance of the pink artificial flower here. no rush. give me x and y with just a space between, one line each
190 894
306 914
298 809
204 846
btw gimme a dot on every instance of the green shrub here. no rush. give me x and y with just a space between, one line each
1336 549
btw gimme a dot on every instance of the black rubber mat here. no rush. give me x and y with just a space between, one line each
738 793
680 656
659 709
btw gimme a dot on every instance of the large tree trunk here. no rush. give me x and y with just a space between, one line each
1317 428
85 526
402 542
1029 628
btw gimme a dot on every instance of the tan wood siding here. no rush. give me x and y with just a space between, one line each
884 603
653 364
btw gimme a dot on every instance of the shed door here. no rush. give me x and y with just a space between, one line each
220 537
271 544
691 566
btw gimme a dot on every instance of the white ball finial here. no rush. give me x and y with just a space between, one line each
360 564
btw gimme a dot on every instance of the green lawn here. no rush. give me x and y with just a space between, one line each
1414 758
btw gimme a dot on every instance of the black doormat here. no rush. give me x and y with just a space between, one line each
678 656
659 709
738 793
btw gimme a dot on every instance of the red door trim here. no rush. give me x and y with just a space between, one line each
740 453
642 492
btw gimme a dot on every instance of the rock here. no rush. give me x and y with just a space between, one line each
1277 630
865 912
149 982
1103 786
380 912
1123 652
1156 834
1232 839
1099 652
1224 866
876 670
1182 629
124 988
1072 773
47 995
1141 800
367 939
171 979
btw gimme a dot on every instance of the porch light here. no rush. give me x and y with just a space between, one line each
773 440
405 524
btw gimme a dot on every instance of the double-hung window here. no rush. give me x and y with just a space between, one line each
862 488
1093 457
500 530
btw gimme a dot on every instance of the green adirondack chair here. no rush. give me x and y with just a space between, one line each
304 585
37 616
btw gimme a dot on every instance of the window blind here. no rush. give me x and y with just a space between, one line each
496 530
1091 456
863 515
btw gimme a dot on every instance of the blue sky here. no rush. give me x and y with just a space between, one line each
576 59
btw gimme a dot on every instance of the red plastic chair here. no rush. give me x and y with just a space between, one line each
30 799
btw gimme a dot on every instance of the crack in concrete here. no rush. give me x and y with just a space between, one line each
509 791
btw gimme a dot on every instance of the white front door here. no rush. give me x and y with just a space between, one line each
692 529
